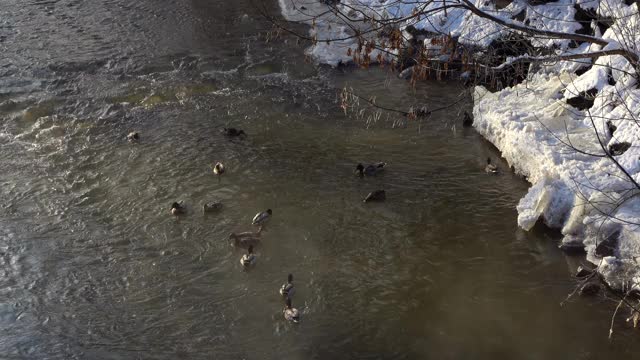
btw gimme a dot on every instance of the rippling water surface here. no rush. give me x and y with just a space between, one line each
92 266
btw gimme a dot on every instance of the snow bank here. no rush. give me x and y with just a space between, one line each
459 23
581 192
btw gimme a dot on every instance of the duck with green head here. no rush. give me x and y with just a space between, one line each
177 208
287 290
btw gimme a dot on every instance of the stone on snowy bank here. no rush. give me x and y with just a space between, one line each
608 246
619 148
584 100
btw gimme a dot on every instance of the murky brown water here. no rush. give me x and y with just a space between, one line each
92 265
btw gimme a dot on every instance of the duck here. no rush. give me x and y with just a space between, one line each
370 170
233 132
245 239
177 208
218 168
490 168
133 136
211 207
287 290
248 259
261 218
290 313
376 195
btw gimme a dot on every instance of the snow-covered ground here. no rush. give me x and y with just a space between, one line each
582 192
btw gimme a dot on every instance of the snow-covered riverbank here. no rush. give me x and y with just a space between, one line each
581 157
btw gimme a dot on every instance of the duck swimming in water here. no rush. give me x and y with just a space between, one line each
218 169
248 259
291 313
233 132
245 239
177 208
133 136
262 218
490 168
287 290
377 195
370 170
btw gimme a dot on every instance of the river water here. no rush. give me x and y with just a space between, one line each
93 266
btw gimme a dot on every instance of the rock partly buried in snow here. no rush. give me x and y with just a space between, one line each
608 246
619 148
584 100
612 128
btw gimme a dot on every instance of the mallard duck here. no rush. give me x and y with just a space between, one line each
177 208
291 313
377 195
212 207
490 168
287 290
261 218
248 259
233 132
245 239
370 170
133 136
218 168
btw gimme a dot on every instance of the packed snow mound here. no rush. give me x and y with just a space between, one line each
564 152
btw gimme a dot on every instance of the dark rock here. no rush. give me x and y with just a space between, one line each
539 2
583 272
612 128
619 148
583 70
584 100
610 80
501 4
499 50
520 16
586 16
419 34
607 247
590 288
468 120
